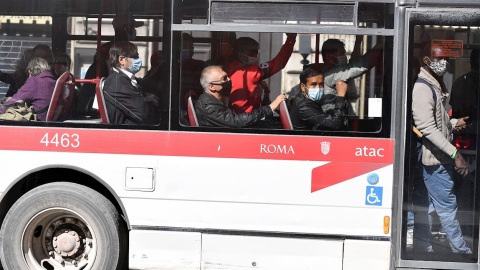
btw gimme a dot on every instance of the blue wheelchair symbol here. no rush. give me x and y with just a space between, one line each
374 195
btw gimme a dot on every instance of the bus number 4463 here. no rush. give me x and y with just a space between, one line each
63 140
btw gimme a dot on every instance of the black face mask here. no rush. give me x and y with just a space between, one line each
226 88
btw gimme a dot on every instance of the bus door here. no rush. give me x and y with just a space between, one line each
440 217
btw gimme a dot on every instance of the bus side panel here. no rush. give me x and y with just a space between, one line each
169 250
252 217
248 252
260 195
366 255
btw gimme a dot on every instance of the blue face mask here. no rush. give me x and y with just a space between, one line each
315 94
136 65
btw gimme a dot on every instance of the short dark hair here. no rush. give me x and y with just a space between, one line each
427 50
45 48
331 46
243 43
64 55
309 72
124 48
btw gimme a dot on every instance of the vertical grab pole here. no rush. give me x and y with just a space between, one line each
225 42
99 33
99 37
317 42
317 50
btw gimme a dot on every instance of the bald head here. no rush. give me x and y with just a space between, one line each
209 74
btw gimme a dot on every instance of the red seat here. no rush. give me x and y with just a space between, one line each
62 98
192 117
102 108
285 116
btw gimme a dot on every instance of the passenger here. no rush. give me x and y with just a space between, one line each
86 93
125 100
336 67
351 93
266 92
156 59
61 64
464 98
38 88
306 112
247 74
43 51
438 152
152 80
153 83
18 78
125 26
190 78
212 110
227 41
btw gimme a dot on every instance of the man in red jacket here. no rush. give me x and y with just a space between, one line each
247 74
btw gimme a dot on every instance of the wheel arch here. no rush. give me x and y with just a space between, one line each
49 174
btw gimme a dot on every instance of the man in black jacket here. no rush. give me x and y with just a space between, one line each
211 108
306 111
125 100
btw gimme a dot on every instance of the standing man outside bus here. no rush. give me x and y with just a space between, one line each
439 155
247 74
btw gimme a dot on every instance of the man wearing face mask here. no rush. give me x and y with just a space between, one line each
336 67
438 156
125 99
247 73
211 108
306 112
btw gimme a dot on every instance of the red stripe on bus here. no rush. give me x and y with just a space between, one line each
193 144
336 172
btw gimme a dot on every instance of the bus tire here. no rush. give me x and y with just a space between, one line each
63 226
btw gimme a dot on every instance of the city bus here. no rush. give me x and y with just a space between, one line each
79 192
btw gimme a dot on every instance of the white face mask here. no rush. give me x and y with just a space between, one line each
341 60
438 67
315 94
249 60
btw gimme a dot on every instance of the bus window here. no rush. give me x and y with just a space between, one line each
76 37
19 34
441 224
278 71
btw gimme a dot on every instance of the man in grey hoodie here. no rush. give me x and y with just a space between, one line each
439 155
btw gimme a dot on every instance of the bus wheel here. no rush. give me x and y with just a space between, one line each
63 226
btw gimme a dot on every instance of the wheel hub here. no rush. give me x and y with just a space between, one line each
67 243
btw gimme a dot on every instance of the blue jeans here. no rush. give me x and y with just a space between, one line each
439 184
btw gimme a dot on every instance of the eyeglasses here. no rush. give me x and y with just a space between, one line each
133 57
223 79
